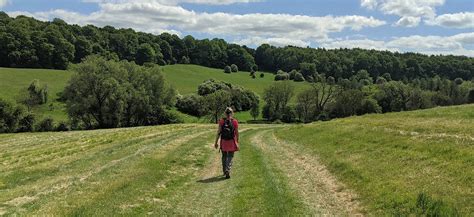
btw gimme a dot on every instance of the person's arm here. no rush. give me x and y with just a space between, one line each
216 145
237 134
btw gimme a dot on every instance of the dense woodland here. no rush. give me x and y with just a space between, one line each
27 42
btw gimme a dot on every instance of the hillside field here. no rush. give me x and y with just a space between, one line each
185 78
384 164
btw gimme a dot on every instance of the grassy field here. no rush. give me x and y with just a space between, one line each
185 78
372 165
391 159
12 81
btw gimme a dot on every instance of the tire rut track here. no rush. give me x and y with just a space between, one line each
208 183
316 186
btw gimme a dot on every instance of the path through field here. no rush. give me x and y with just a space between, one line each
165 170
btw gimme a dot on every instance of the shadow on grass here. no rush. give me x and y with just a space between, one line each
212 179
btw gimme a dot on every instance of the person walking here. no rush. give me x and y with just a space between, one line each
228 134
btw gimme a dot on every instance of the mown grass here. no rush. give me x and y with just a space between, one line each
408 163
110 168
273 196
133 171
392 159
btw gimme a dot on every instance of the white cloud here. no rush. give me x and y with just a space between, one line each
3 3
176 2
455 44
278 42
356 43
216 2
408 21
456 20
370 4
154 17
410 11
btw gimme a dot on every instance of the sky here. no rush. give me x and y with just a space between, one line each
424 26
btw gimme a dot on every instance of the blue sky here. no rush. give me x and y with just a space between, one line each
426 26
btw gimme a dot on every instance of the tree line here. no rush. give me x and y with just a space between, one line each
327 98
27 42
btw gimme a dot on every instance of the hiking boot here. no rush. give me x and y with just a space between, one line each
227 175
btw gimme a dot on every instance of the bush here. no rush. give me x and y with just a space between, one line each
234 68
227 70
441 99
27 123
242 100
10 116
368 106
282 76
381 80
268 112
331 80
211 86
277 121
308 69
185 60
323 117
345 83
292 74
458 81
387 76
45 125
288 115
470 96
62 126
168 117
38 93
419 99
299 77
254 68
34 95
348 103
255 111
191 104
365 82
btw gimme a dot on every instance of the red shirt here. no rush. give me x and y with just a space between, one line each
230 145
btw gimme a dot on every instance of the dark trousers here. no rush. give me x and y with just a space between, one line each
227 161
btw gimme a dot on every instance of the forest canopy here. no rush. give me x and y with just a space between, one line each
27 42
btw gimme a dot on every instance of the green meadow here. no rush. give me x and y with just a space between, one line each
185 78
402 164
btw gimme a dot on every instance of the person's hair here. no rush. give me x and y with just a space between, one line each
229 111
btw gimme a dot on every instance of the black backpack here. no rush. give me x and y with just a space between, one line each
227 130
